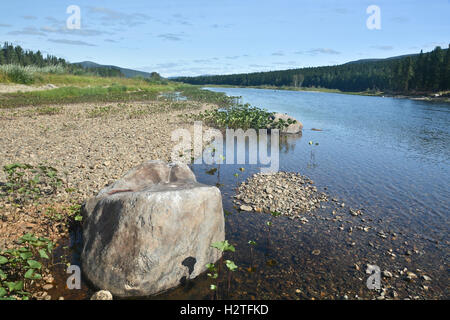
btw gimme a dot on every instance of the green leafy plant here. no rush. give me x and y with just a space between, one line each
214 271
19 268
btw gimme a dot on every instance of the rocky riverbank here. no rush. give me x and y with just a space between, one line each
90 145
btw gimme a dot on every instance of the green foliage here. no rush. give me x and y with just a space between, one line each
19 267
241 116
275 214
223 246
17 74
48 110
213 273
231 265
25 182
99 111
115 93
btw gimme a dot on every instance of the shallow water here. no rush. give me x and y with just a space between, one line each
388 156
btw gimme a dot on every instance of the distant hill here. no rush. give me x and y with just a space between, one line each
381 59
128 73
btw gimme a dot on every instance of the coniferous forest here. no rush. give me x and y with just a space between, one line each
417 73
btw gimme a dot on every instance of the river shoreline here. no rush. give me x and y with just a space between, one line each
442 97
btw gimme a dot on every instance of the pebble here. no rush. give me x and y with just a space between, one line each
387 274
47 287
426 278
102 295
246 208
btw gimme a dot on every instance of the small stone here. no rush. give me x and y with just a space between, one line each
316 252
387 274
102 295
246 208
61 298
410 276
47 287
426 278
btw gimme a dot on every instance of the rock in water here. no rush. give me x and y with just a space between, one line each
295 127
151 230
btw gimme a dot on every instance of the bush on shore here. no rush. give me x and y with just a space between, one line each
27 74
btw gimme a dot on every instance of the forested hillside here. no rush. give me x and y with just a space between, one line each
424 72
17 56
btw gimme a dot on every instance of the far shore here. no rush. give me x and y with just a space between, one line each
429 96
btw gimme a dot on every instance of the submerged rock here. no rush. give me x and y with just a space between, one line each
151 230
288 193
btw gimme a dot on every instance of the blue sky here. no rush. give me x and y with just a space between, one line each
193 37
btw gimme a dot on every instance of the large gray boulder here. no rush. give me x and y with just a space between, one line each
151 230
294 127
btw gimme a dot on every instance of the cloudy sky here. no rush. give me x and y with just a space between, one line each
194 37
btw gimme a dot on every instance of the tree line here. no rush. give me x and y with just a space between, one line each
16 55
417 73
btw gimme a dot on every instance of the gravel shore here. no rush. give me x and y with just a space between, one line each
91 145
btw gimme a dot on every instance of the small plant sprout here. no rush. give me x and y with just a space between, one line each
213 274
231 265
223 246
227 213
212 271
275 214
